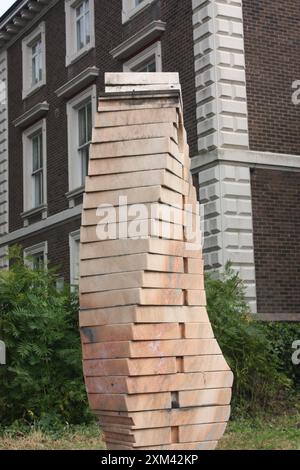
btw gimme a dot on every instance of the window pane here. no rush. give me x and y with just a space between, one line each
75 267
82 126
85 124
79 10
38 188
84 163
87 28
85 136
83 25
38 261
37 169
148 66
36 64
37 152
89 121
80 33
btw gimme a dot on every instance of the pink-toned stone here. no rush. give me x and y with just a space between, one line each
144 261
132 117
198 330
131 332
142 178
219 396
145 384
168 418
142 314
127 403
155 375
111 166
147 279
133 196
136 131
136 147
165 348
205 364
201 432
130 367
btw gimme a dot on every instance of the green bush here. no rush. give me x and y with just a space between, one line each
42 380
42 383
261 381
282 336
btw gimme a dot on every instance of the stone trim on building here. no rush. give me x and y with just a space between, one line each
3 145
220 74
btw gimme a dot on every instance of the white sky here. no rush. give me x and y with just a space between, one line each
4 5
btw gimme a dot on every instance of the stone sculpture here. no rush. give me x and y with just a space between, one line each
154 372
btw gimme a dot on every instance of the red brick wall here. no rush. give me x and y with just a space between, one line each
177 46
177 55
272 65
57 75
177 51
276 226
58 245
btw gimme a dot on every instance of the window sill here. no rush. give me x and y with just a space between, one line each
129 15
73 194
70 60
28 93
43 209
32 115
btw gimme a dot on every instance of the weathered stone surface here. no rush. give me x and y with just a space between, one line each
111 166
127 403
142 314
219 396
154 373
133 196
131 332
136 147
135 132
130 367
144 279
131 117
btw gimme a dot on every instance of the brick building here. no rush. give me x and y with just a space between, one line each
238 65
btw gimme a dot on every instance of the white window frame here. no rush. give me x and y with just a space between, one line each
35 250
139 59
72 117
74 238
28 87
130 8
28 204
72 54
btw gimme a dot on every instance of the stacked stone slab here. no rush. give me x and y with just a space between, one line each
154 372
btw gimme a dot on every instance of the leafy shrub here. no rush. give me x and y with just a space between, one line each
260 380
42 379
282 336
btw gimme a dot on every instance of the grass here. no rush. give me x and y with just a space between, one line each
73 438
280 433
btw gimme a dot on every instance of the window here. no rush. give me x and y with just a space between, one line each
148 60
80 111
85 137
80 28
34 61
83 30
37 68
34 166
36 256
74 243
131 7
37 169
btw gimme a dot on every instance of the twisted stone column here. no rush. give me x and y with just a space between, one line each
154 372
